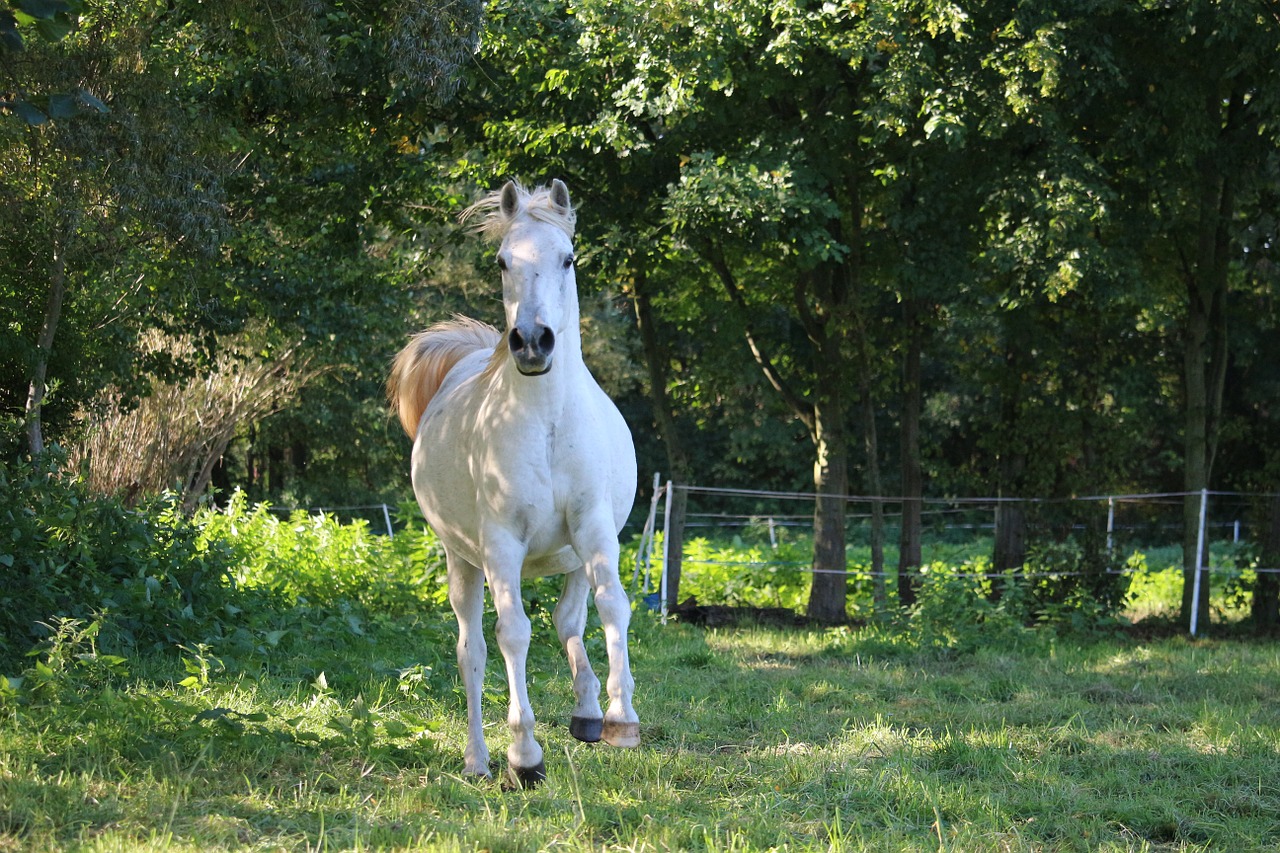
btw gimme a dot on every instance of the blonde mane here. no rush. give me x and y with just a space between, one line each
538 204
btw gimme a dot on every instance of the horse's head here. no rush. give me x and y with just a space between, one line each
539 291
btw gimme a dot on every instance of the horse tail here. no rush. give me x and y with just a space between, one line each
420 368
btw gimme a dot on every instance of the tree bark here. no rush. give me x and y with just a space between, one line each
1011 539
679 469
909 542
37 390
1204 360
830 586
1010 547
871 443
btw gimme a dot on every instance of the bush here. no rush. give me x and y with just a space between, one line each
746 575
954 612
146 574
315 560
1069 585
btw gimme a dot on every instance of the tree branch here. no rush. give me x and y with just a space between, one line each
802 408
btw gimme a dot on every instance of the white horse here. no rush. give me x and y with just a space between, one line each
524 467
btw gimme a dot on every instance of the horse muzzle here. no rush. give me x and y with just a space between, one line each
532 348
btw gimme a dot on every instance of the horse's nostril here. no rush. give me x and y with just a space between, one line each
515 340
546 340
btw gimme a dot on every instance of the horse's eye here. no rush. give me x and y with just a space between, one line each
568 261
502 263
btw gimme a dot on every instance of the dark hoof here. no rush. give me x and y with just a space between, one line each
621 734
586 729
526 777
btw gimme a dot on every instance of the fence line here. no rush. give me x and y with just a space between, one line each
322 510
956 505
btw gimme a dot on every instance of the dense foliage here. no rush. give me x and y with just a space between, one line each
153 577
897 248
145 572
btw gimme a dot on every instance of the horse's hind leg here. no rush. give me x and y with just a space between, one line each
597 543
571 621
466 594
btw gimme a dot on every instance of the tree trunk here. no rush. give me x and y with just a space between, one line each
825 417
1204 360
872 444
38 388
830 587
1011 537
1196 470
909 542
1010 548
677 458
200 482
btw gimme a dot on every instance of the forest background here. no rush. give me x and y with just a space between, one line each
885 248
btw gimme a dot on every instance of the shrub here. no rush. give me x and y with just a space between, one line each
146 574
1069 586
316 560
742 574
954 612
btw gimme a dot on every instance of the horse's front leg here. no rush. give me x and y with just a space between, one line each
466 595
570 619
503 561
597 545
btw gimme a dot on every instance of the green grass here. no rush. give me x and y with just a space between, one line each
315 706
754 739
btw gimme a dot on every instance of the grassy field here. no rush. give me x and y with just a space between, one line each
349 737
323 713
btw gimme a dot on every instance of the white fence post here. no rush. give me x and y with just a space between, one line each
1195 587
1111 525
644 552
666 538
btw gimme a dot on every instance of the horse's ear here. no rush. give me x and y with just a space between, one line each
560 197
510 200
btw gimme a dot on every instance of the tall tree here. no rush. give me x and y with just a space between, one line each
255 163
1188 97
86 188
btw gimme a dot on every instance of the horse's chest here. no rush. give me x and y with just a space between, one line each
535 483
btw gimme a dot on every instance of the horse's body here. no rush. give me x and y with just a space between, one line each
524 467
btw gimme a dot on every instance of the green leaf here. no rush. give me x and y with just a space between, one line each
54 29
29 113
43 9
91 102
212 714
63 106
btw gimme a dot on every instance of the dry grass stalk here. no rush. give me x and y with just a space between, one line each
174 438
